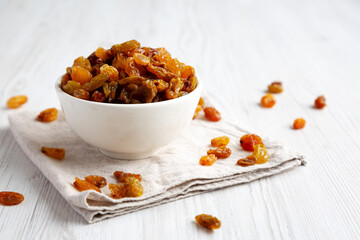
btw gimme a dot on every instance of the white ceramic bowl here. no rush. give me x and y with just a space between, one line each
128 131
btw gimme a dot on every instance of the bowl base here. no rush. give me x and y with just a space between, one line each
128 156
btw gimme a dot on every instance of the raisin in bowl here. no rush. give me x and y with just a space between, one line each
146 112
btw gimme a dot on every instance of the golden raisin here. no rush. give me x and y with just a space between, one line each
207 160
220 141
112 72
299 123
82 62
17 101
212 114
96 180
249 140
121 176
268 101
260 153
101 53
10 198
80 75
141 59
208 221
320 102
220 152
82 94
82 185
275 87
133 187
197 111
187 71
117 190
48 115
56 153
98 97
248 161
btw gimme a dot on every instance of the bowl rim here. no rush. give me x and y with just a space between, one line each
119 105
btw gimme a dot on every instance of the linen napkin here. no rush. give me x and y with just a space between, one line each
173 174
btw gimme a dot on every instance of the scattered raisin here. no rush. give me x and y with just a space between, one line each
220 141
48 115
201 102
220 152
10 198
133 187
82 185
121 176
249 140
248 161
275 87
17 101
56 153
299 123
268 101
208 221
320 102
260 153
96 180
207 160
117 190
212 114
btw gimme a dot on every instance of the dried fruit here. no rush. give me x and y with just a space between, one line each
207 160
299 123
268 101
96 180
98 97
220 141
112 72
275 87
17 101
48 115
212 114
71 86
80 75
141 59
82 94
249 140
248 161
56 153
220 152
142 75
117 190
10 198
260 153
133 187
82 62
121 176
208 221
82 185
320 102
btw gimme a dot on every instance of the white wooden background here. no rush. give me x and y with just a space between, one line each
237 47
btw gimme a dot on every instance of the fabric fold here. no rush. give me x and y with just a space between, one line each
173 174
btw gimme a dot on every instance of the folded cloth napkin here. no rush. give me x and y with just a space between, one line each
174 173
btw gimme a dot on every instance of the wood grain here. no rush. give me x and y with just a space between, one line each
237 48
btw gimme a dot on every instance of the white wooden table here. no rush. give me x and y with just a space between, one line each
237 47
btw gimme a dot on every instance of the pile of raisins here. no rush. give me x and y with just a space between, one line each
129 184
220 151
129 73
253 143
